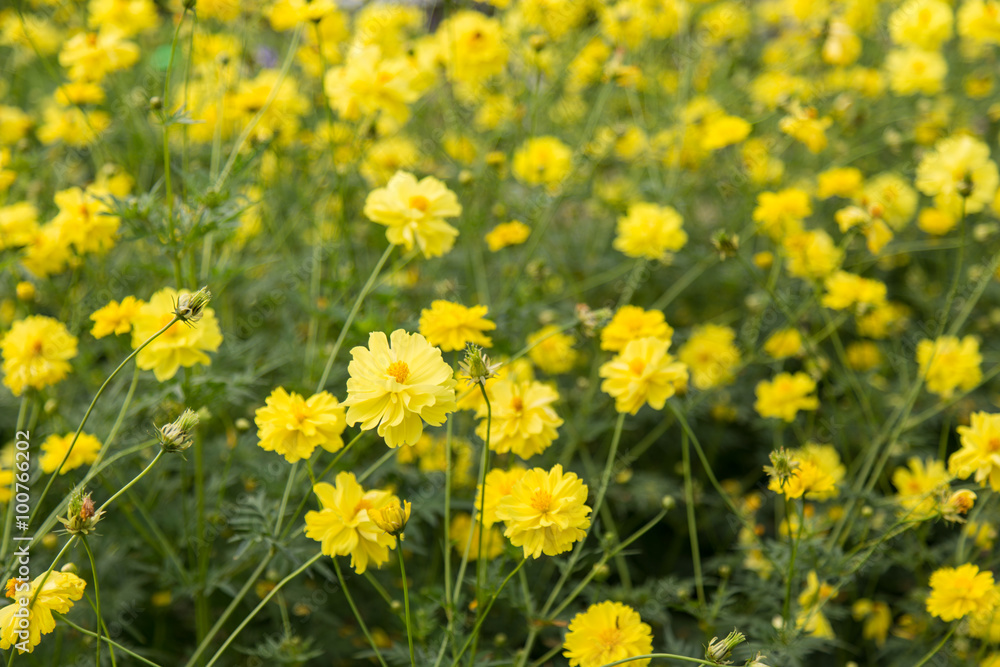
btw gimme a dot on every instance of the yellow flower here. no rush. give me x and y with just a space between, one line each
54 448
936 221
979 21
863 355
545 512
91 56
918 486
721 130
524 421
36 353
804 126
925 24
368 84
180 345
392 517
839 182
890 197
57 594
644 372
463 533
499 484
552 350
543 161
811 600
293 426
473 46
115 318
959 591
979 454
84 221
812 254
286 14
128 17
883 320
18 224
784 343
877 619
948 364
507 234
414 213
784 396
450 325
606 632
846 290
650 231
913 70
396 384
959 167
779 214
710 355
343 526
632 322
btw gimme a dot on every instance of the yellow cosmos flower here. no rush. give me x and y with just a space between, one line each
631 323
369 84
877 619
293 426
545 512
784 343
847 290
644 372
18 224
959 591
811 600
552 350
36 353
473 46
543 161
128 17
343 526
913 70
463 533
524 421
925 24
980 451
115 318
816 473
958 168
414 213
180 345
785 395
57 594
811 254
84 221
839 182
948 363
650 231
779 214
91 56
499 484
918 485
396 384
507 234
710 355
54 448
607 632
450 325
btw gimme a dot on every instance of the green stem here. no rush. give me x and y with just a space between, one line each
274 591
350 318
175 256
22 413
484 612
692 523
786 608
480 565
97 603
134 480
357 614
671 656
284 498
937 648
98 637
406 602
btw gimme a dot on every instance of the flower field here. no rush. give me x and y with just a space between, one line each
512 333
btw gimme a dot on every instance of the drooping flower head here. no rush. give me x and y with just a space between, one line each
294 426
396 384
545 512
607 632
57 594
343 526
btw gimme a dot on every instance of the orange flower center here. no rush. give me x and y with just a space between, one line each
637 366
363 504
542 501
609 638
36 347
399 371
993 445
419 202
517 403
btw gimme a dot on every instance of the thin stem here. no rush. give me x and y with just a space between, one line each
484 470
97 603
671 656
229 609
284 498
692 523
175 256
350 318
22 413
274 591
90 409
357 614
482 615
99 639
786 608
937 648
134 480
406 603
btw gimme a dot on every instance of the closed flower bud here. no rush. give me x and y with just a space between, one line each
81 516
392 518
757 661
189 307
176 436
719 650
957 504
477 366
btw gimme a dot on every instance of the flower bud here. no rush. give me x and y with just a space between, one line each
176 436
392 518
189 307
81 516
719 650
477 366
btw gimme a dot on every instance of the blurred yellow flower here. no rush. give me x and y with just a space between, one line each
85 452
710 355
948 363
650 231
959 591
552 350
507 234
785 395
36 353
979 455
543 161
